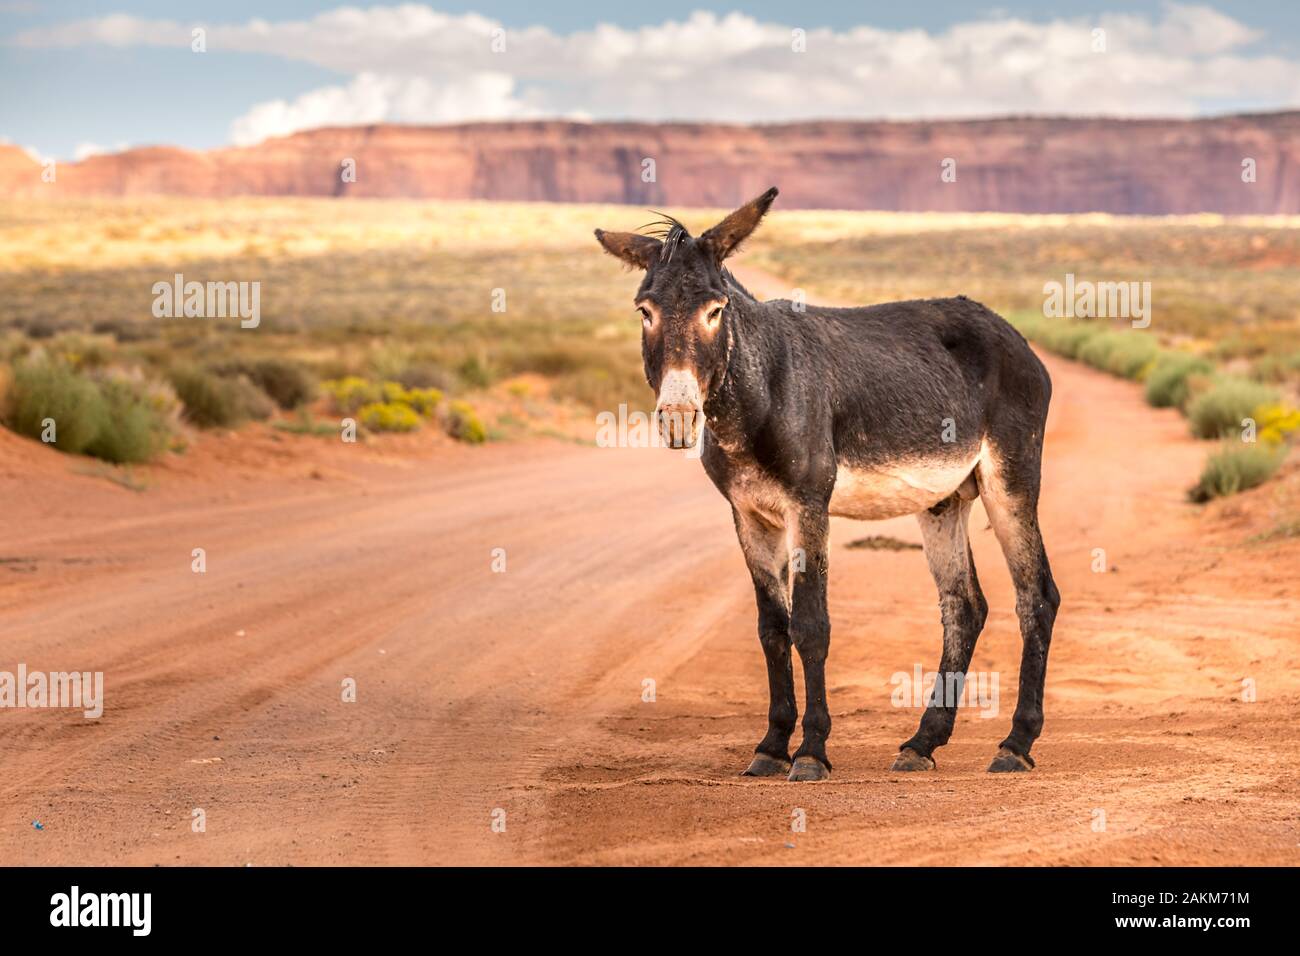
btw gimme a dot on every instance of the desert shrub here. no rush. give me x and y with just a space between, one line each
126 330
600 375
474 372
1028 324
549 360
115 416
1276 423
463 424
1064 336
425 375
389 360
350 393
46 327
425 401
1221 407
1277 368
388 417
1125 354
605 389
1237 466
211 401
256 403
45 389
289 384
1168 383
394 392
136 426
81 351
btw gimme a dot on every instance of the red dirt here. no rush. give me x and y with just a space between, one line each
523 690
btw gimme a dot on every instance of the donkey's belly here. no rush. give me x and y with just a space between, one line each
887 491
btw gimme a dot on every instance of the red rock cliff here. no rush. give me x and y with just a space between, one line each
1012 165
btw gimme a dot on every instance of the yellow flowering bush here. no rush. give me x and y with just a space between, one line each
350 393
464 424
388 417
424 400
1275 423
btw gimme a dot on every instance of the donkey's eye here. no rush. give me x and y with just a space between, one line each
646 318
715 314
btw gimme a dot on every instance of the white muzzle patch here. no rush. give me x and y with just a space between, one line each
680 409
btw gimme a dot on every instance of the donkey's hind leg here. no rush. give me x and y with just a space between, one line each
1009 489
963 609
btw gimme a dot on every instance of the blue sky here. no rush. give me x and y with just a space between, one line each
79 77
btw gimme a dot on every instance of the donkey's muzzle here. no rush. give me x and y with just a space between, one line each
680 409
679 425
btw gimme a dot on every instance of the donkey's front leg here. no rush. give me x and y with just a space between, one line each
767 554
810 630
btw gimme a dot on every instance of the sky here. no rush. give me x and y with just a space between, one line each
80 77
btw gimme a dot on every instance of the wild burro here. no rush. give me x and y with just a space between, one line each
806 412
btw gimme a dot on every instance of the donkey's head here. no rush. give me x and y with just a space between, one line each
684 316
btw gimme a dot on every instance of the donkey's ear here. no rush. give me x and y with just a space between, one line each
633 248
724 238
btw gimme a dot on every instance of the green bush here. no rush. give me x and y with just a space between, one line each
117 418
83 352
425 375
256 403
1276 423
126 330
1125 354
350 393
1221 407
135 429
1277 368
1236 467
463 424
388 417
53 390
289 384
475 373
424 400
1168 381
211 401
1065 336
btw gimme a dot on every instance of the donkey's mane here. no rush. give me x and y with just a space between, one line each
730 277
667 229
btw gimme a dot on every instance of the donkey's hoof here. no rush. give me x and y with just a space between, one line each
909 759
764 765
1008 761
809 768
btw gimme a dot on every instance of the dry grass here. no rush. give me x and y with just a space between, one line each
1225 286
403 291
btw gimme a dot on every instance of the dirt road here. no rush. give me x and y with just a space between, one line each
518 696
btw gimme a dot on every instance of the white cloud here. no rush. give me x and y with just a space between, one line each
32 152
373 98
412 63
87 150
